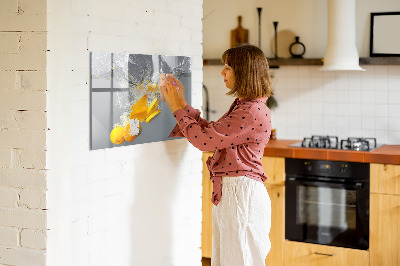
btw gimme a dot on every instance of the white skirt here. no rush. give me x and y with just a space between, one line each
241 223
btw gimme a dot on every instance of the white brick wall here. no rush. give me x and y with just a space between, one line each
23 132
134 205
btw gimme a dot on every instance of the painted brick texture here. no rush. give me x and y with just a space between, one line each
23 126
117 206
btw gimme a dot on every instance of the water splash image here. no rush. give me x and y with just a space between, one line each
130 77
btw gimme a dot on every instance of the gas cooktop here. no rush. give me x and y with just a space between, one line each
332 142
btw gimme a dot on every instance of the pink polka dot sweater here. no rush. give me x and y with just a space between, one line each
238 139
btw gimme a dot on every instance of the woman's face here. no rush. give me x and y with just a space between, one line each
229 76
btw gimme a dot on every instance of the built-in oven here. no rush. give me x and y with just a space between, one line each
327 202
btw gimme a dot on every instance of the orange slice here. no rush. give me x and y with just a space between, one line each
153 106
154 114
139 116
140 104
127 133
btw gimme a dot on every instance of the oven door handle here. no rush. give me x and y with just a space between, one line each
357 185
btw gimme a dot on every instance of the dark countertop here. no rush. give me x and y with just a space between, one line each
389 154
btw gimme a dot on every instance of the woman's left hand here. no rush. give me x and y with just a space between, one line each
171 95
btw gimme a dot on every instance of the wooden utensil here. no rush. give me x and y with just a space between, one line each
239 35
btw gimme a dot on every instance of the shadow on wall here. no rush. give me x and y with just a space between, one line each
153 222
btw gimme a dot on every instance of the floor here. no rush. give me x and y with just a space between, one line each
206 261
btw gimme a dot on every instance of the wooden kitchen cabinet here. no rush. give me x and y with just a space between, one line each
277 233
384 236
305 254
274 168
385 178
384 215
206 225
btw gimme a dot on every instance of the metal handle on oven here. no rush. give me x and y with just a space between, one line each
324 254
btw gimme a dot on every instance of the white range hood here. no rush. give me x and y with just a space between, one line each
341 51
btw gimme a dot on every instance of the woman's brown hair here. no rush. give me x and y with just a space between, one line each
250 66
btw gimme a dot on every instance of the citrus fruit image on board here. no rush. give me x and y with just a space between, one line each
150 117
117 135
139 109
153 106
127 133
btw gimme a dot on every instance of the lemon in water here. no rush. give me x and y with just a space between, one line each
117 135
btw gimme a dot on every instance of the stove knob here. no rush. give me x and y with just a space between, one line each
343 168
308 166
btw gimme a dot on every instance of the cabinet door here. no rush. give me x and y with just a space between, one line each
385 178
274 168
206 232
384 230
304 254
277 233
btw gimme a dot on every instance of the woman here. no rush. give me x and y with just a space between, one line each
242 208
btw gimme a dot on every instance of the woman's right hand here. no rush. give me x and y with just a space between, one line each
181 91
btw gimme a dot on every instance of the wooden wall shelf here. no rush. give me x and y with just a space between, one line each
274 63
380 61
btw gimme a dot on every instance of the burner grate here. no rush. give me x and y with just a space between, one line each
358 144
327 142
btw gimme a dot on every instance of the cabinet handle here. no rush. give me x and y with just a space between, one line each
324 254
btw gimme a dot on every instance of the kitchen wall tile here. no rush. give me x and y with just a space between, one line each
367 123
342 133
292 82
367 82
380 71
342 109
329 122
317 121
328 74
355 109
315 72
394 110
381 84
394 137
316 82
329 93
342 96
329 109
355 122
394 123
317 95
367 110
393 71
394 82
355 132
304 72
381 136
355 96
291 71
394 97
354 80
367 96
304 82
381 97
367 133
317 131
317 108
342 122
342 80
381 110
382 123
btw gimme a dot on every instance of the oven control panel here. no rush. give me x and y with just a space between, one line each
337 169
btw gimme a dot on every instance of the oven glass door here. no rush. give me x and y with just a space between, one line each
326 213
